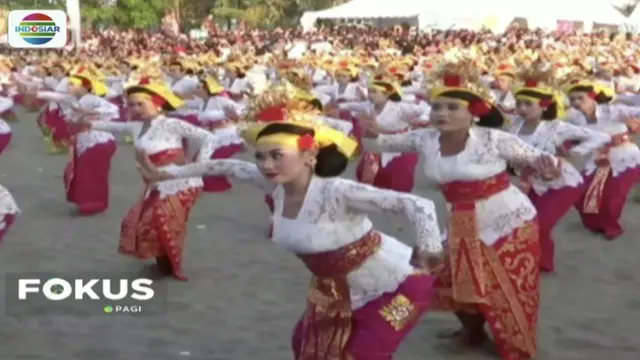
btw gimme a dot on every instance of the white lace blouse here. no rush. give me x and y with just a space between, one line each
165 134
334 214
611 119
549 136
485 155
105 111
395 117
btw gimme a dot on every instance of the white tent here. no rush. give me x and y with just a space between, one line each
494 14
633 21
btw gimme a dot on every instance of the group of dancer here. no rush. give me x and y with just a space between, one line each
505 159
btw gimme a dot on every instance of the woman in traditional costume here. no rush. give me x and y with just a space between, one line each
218 114
347 88
366 295
155 227
392 171
491 272
8 208
502 95
86 176
612 172
5 129
236 81
539 106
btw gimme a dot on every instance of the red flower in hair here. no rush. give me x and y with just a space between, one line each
393 69
145 80
452 80
306 142
503 67
531 83
479 108
545 103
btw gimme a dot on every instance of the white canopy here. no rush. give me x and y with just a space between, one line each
493 14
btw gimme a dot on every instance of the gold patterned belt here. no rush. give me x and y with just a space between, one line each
328 315
595 192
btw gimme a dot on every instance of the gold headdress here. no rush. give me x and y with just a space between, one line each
387 83
582 82
460 80
278 104
538 85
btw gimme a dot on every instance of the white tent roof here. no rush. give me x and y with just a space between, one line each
473 13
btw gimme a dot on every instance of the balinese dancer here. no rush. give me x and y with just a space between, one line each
611 173
155 227
5 130
86 176
52 117
347 88
366 295
502 85
236 81
313 106
491 272
8 208
218 114
392 171
538 108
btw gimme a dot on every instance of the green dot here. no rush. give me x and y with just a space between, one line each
108 309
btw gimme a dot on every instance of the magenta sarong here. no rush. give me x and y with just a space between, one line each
86 178
397 175
552 206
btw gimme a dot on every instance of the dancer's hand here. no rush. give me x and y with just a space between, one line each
148 170
548 167
230 113
369 125
424 259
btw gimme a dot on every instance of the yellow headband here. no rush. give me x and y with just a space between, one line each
140 96
324 136
528 98
556 98
75 81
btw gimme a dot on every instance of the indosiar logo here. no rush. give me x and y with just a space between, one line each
37 29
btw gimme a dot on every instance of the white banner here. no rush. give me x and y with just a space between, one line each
73 13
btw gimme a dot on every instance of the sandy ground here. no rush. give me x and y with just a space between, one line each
245 294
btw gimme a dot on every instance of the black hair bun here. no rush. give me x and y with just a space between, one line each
330 162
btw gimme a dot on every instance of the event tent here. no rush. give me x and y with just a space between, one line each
494 14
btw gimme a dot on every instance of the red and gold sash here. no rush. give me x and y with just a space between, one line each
464 244
327 320
162 158
595 192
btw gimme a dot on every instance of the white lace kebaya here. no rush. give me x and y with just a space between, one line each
70 105
165 134
549 136
611 119
485 155
334 214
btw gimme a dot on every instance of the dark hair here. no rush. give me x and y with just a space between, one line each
551 112
600 97
316 104
395 97
330 161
